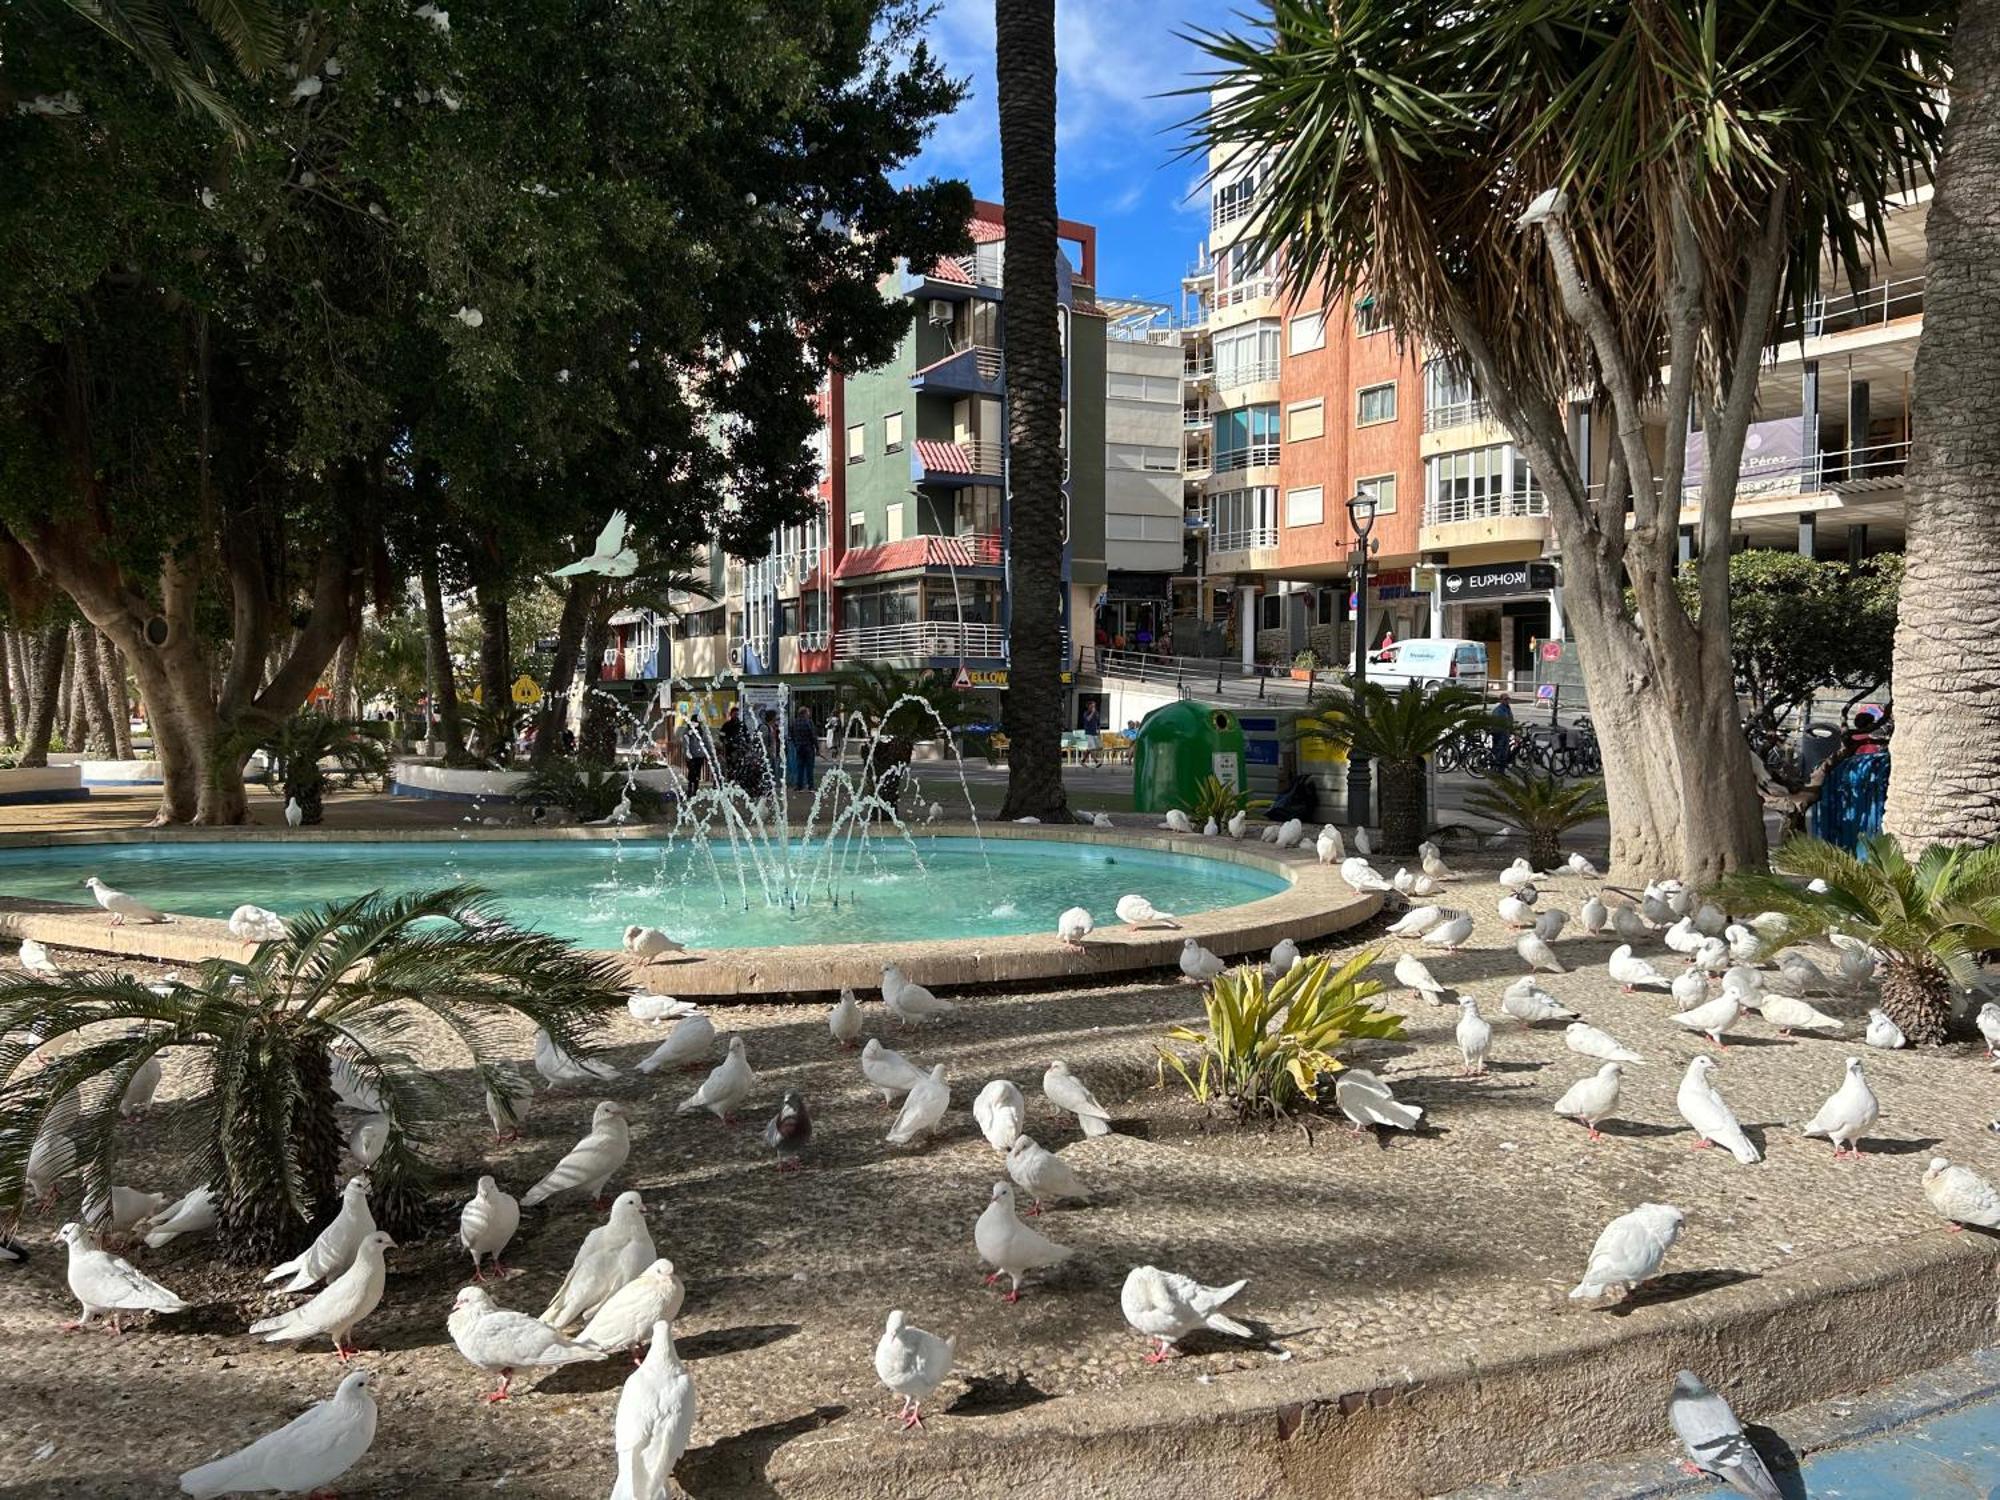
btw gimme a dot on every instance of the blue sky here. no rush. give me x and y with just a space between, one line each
1116 137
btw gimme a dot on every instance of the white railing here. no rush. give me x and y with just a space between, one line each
1253 289
985 266
1243 539
1870 307
985 457
1873 466
1456 414
919 638
1194 418
1237 372
1239 207
1256 456
1448 510
1197 369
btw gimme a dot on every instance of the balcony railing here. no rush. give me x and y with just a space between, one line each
933 461
1235 372
1194 418
1242 539
1250 290
1870 307
1449 510
1456 414
984 270
1240 207
1256 456
921 640
1198 369
969 368
1872 466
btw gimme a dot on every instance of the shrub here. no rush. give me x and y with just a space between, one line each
1213 799
589 793
1267 1045
297 745
1399 731
1541 807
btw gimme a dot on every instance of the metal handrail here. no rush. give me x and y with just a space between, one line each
920 638
1251 290
1449 510
1254 456
1868 307
1245 372
1456 414
1243 539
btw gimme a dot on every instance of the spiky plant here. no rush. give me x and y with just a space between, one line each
1399 731
363 974
589 793
907 706
297 746
1213 799
1928 920
1265 1045
1541 807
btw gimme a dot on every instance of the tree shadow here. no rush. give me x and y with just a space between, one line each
1676 1286
733 1340
1736 1041
733 1468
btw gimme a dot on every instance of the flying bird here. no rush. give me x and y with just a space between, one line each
610 556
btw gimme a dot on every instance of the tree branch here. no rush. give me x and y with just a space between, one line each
1659 515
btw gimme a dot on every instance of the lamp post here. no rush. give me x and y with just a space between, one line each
1361 512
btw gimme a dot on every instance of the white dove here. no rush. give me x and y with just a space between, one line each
1166 1306
1712 956
1525 1000
333 1251
367 1140
1515 912
1746 984
486 1224
844 1020
1656 908
1988 1021
1328 846
609 1257
1690 988
651 1010
1416 921
1790 1015
1402 882
558 1067
1581 1036
1011 1247
1412 973
610 556
1291 833
691 1040
1578 865
140 1088
1284 956
727 1086
1366 1100
656 1412
1710 920
1634 973
1743 943
912 1364
106 1283
1594 916
122 907
1475 1036
1043 1175
1070 1096
1682 938
192 1213
254 924
35 959
122 1210
650 945
1137 911
1538 955
1592 1099
1712 1018
1713 1121
591 1162
1097 820
509 1097
1198 964
1363 845
1857 965
53 1155
1177 821
923 1107
354 1086
1362 876
888 1071
294 814
1434 865
1883 1032
500 1340
304 1456
1424 885
909 1001
626 1319
1451 933
341 1304
1962 1196
1073 926
1000 1112
1629 1250
1848 1113
1802 971
1519 873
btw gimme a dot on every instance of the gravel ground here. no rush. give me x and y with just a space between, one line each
1483 1219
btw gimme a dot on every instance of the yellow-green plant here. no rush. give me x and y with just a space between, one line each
1214 799
1266 1044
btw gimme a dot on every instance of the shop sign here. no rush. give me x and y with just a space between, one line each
1506 580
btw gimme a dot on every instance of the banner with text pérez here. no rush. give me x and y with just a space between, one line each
1774 461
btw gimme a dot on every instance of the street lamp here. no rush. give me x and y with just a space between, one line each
1361 512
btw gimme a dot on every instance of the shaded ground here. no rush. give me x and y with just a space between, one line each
1483 1219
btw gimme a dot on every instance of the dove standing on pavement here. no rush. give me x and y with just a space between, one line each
105 1283
1848 1113
1632 973
53 1154
1166 1307
1578 865
139 1091
486 1224
509 1097
725 1088
1000 1112
333 1251
1962 1196
1328 846
1715 1440
1713 1121
1712 1018
1043 1175
1593 917
789 1130
559 1067
304 1456
1690 988
1629 1250
912 1364
626 1319
1069 1095
1592 1099
844 1020
650 1009
1137 911
500 1340
686 1046
1525 1000
1790 1015
1516 912
1363 845
1519 873
909 1001
1433 862
1475 1036
1581 1036
1198 964
341 1304
1414 975
888 1071
1362 876
923 1107
610 1256
1883 1032
1211 828
591 1162
193 1213
1538 955
1628 925
1238 821
1284 955
1177 821
294 814
1011 1247
1366 1100
125 1208
1291 833
35 959
1549 924
1989 1027
1415 922
122 907
1451 933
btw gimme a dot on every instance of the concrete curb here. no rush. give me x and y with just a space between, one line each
1438 1414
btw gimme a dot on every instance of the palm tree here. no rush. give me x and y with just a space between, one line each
1400 731
1025 70
1621 200
907 706
1927 921
1944 779
176 43
296 747
1541 807
357 975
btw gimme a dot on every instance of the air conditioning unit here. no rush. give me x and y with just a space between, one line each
939 312
736 656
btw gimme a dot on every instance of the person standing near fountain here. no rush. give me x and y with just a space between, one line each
693 751
804 749
739 752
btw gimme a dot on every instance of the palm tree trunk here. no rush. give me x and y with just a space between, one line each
117 695
495 647
345 703
1944 779
7 689
444 692
75 723
1401 804
14 667
98 738
257 1227
1025 57
44 693
1918 1000
597 739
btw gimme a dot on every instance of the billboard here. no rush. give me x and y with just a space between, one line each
1774 461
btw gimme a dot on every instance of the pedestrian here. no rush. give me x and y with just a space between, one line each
774 752
804 747
738 751
1503 734
1091 729
694 752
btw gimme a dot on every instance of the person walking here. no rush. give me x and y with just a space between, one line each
804 748
694 752
1092 728
1503 735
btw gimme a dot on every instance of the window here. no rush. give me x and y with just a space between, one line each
1306 419
1246 438
857 442
1368 315
857 528
1308 332
1478 483
1381 488
1271 612
1243 518
1375 403
1232 201
1151 457
813 613
1305 507
1246 354
1450 399
1121 386
892 432
893 532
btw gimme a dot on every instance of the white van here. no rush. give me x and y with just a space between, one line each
1403 662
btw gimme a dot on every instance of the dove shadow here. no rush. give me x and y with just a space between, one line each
1638 1129
1780 1458
1874 1146
1676 1286
588 1379
1494 1065
993 1395
733 1468
734 1340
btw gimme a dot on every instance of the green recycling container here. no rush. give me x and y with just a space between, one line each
1180 746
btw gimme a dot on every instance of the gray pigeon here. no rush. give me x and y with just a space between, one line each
788 1130
1714 1439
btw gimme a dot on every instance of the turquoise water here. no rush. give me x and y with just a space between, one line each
590 891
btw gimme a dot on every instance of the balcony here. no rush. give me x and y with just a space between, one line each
1870 307
1194 418
984 267
1481 520
1243 539
1242 372
971 371
1456 414
1198 371
1255 456
968 549
973 461
1233 209
1254 289
921 640
1873 468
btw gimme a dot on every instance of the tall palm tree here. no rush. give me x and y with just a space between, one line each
176 41
357 975
1025 68
1944 782
1574 197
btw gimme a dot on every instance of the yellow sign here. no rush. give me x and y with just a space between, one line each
993 679
527 690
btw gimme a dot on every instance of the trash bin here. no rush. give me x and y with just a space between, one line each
1177 748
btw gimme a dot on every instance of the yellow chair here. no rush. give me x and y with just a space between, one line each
997 749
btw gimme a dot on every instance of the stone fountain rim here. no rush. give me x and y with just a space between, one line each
1315 904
